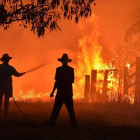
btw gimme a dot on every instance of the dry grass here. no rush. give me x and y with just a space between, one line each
96 121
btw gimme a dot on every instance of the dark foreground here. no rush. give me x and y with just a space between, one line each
112 121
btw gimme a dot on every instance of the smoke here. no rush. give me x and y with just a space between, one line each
30 52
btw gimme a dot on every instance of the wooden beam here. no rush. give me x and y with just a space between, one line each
125 80
101 71
132 84
93 82
105 83
137 85
130 76
87 86
133 64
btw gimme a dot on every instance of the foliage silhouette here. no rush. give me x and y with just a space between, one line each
42 14
134 28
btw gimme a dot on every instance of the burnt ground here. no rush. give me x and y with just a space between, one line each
110 121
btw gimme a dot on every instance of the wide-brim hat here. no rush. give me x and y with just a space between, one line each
5 57
64 58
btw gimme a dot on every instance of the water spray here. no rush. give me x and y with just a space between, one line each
31 70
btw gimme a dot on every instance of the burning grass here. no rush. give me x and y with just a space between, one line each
96 121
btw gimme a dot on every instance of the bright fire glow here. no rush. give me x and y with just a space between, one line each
88 58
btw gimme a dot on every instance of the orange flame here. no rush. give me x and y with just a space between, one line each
88 57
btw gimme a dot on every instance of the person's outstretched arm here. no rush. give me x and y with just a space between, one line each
17 74
54 88
55 84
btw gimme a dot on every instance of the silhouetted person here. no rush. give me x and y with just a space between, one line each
6 88
63 83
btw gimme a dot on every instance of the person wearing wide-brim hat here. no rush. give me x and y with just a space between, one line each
64 79
5 57
6 88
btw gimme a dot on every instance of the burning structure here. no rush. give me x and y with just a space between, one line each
105 81
96 78
130 83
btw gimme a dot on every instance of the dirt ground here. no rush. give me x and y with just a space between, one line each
95 122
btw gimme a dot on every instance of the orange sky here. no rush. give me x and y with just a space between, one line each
28 51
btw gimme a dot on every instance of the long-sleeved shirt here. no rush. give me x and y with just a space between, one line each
6 72
64 78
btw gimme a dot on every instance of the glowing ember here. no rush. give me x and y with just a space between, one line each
32 96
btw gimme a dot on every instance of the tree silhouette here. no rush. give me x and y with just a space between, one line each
132 35
42 14
134 29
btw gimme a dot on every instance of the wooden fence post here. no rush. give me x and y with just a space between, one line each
125 80
137 84
105 84
87 86
93 83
